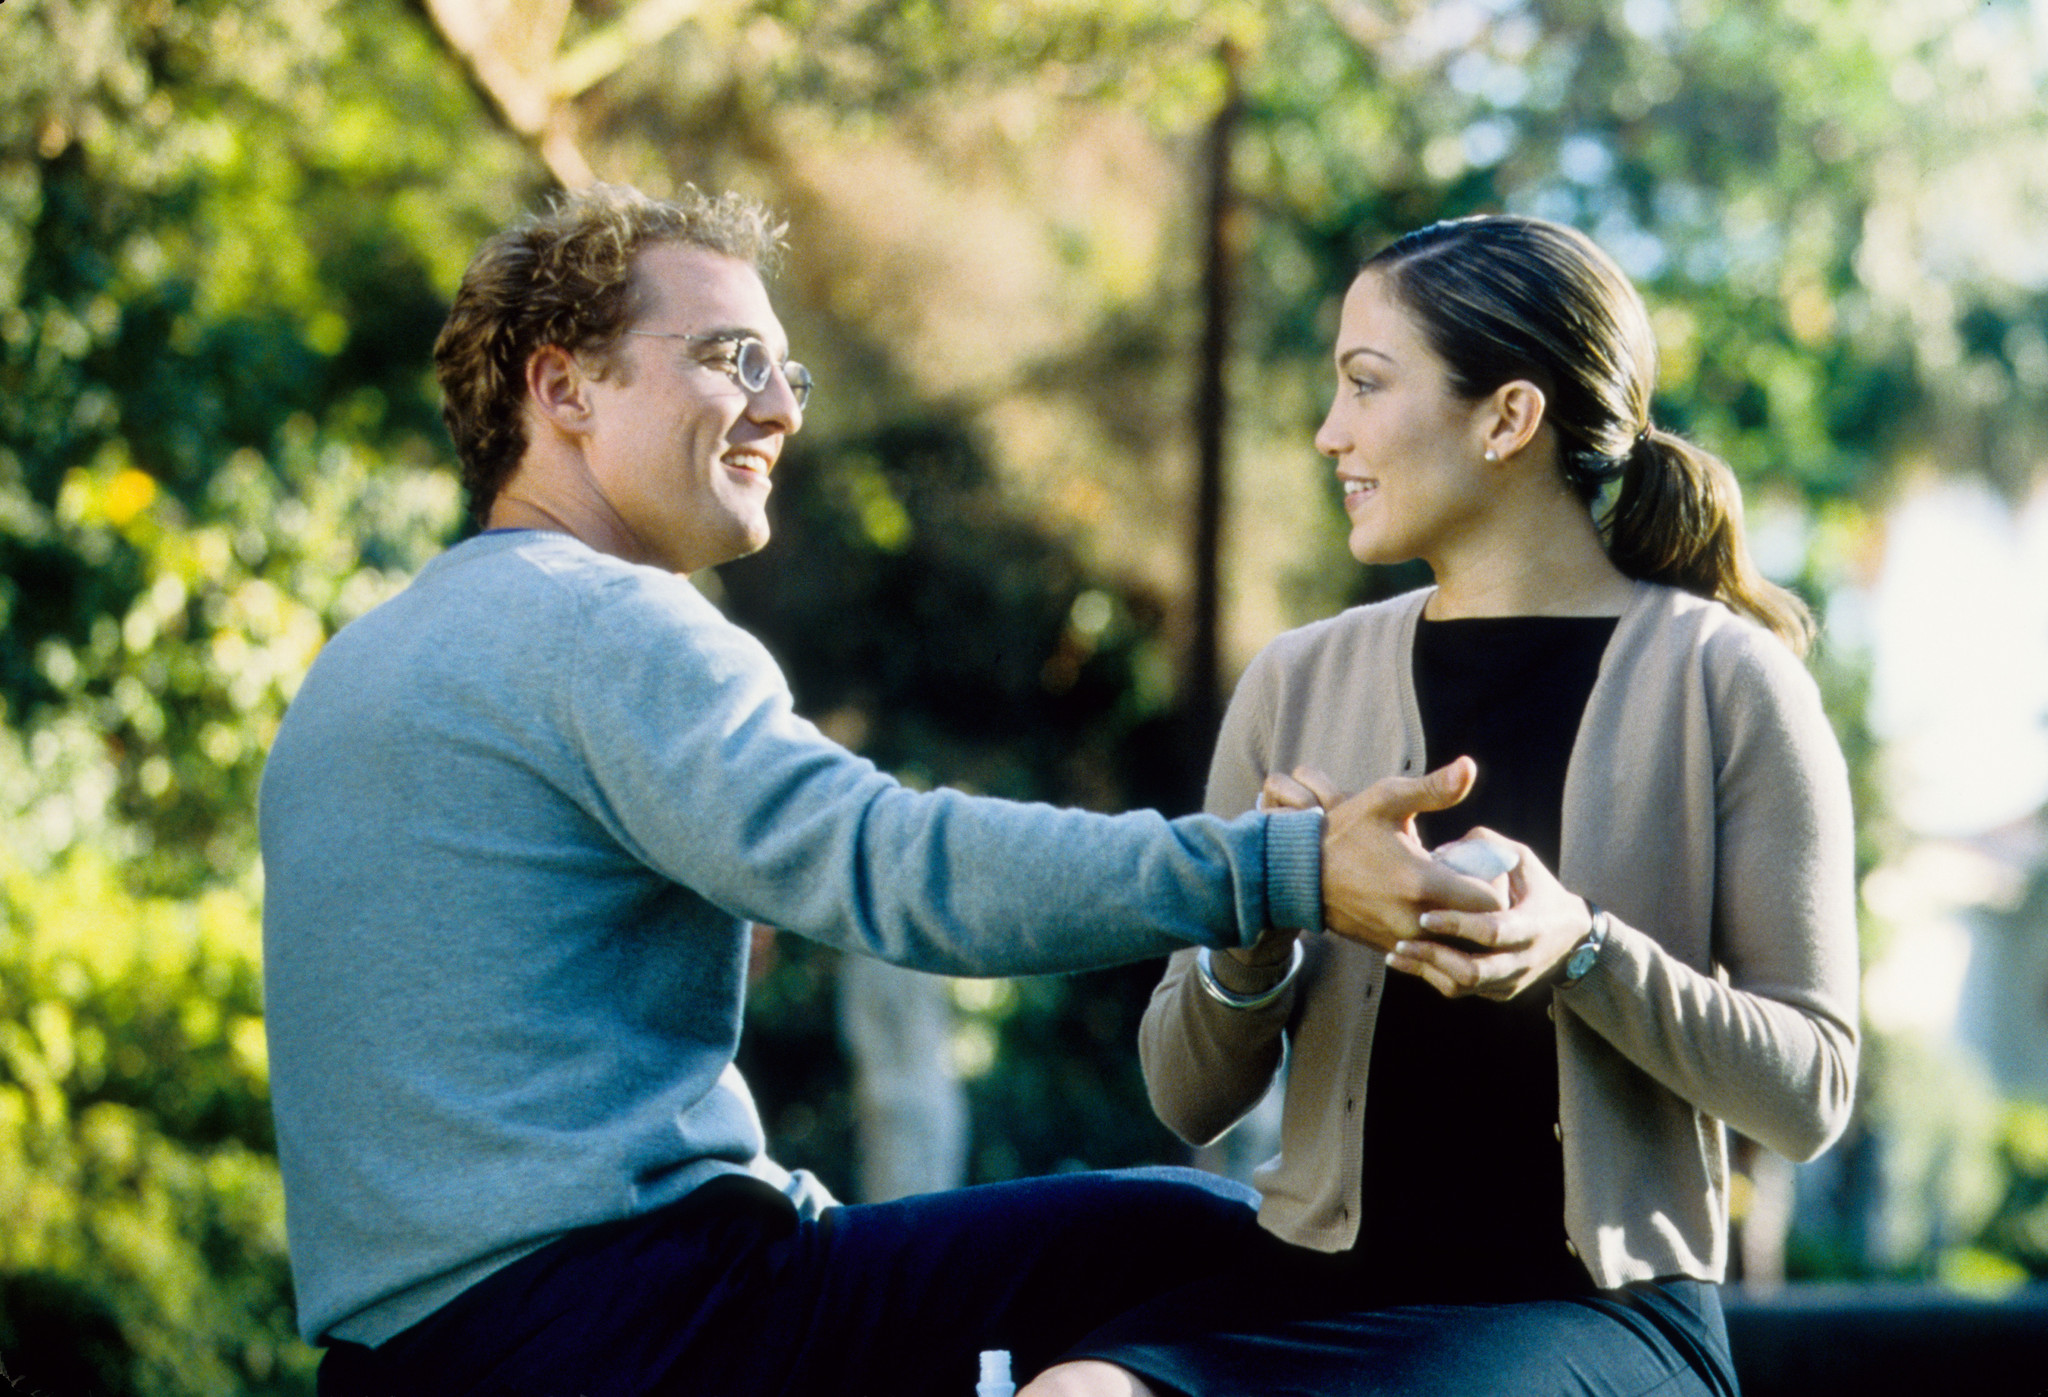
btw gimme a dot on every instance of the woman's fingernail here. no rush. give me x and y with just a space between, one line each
1432 921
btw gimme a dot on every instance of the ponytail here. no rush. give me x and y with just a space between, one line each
1678 520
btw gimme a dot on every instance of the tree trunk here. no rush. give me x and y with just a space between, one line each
910 1110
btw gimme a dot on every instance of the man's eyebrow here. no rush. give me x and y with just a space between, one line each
733 334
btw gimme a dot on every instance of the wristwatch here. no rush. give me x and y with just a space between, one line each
1586 954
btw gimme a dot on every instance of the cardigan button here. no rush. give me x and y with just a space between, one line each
1557 1131
1571 1246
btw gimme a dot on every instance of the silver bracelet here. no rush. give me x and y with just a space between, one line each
1205 971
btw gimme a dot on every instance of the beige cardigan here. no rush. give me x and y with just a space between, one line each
1706 806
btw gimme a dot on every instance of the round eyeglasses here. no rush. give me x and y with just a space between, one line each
751 363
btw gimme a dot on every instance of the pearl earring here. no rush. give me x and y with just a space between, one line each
1492 456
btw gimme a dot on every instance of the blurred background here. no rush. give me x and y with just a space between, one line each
1067 275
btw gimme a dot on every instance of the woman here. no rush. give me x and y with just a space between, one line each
1503 1163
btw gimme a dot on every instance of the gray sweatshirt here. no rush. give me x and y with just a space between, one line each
514 827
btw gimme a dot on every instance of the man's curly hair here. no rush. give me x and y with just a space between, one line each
564 276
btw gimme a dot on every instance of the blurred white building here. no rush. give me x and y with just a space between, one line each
1958 628
1956 996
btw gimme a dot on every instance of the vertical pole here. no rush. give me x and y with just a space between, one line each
1201 693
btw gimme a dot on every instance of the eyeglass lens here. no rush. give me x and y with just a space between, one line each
755 365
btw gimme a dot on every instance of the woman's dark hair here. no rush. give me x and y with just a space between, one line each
1501 298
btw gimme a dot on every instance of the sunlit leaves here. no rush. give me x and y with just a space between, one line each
136 1141
226 236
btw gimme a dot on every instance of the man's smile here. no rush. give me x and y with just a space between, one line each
750 459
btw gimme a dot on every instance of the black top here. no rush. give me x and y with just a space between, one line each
1464 1175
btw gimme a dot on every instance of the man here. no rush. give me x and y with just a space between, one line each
514 827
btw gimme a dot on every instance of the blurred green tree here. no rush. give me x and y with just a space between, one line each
225 236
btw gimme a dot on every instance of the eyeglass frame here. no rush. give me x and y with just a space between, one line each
793 373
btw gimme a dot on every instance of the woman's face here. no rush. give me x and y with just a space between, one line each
1408 450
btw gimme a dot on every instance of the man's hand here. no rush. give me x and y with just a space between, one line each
1378 880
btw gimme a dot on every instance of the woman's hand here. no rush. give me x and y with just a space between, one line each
1498 954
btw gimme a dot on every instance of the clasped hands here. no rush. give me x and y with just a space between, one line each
1463 935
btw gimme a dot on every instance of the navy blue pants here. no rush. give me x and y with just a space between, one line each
728 1292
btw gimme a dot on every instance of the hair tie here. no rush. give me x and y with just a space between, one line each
1643 437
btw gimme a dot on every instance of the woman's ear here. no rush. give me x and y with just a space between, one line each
1510 418
558 388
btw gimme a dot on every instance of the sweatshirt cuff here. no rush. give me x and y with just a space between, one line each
1294 871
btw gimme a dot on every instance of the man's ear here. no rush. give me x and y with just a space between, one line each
1511 417
558 388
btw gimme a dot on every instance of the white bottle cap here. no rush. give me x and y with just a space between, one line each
995 1374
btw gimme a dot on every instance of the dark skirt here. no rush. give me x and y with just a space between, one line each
1303 1331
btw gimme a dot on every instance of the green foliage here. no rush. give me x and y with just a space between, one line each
1940 1120
871 59
226 235
2019 1228
135 1139
1069 1095
236 232
988 655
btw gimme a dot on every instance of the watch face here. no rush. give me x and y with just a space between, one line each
1581 961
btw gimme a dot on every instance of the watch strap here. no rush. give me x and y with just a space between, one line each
1583 957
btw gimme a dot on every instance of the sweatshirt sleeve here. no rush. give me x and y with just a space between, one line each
699 767
1767 1044
1206 1065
